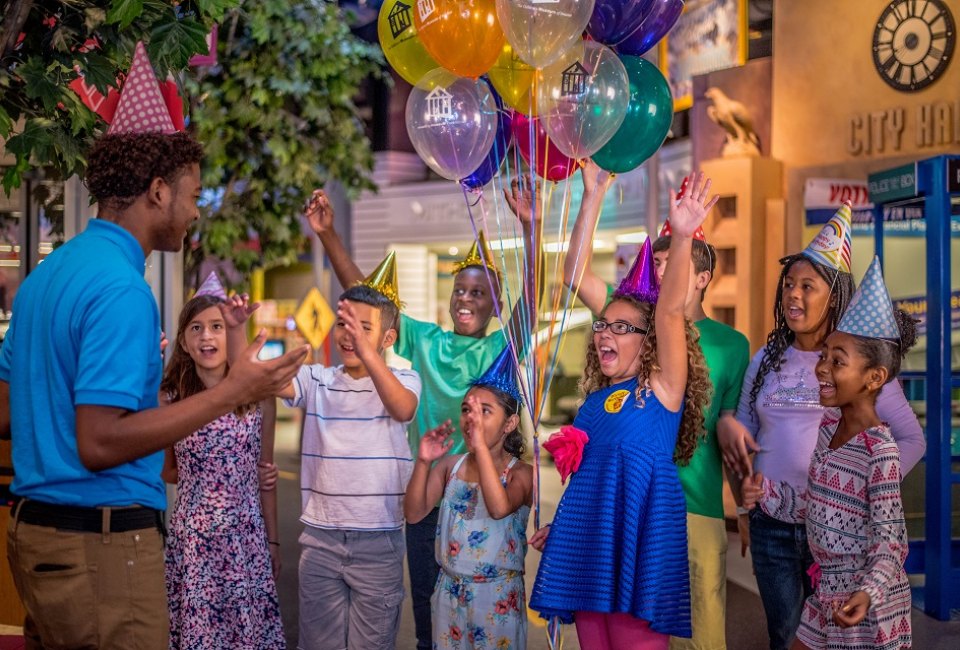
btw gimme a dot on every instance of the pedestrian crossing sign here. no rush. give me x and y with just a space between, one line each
314 318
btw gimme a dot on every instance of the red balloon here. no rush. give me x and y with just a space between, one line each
551 163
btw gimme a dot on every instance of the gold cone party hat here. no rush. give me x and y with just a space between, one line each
476 258
384 279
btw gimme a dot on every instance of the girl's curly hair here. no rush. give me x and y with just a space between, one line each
698 391
781 337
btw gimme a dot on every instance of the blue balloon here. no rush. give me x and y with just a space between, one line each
501 143
614 20
661 17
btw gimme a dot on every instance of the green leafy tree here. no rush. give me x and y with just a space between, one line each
44 42
277 118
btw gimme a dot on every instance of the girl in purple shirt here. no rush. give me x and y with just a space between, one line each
780 414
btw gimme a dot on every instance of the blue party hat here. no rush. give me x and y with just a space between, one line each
212 287
870 313
502 375
641 280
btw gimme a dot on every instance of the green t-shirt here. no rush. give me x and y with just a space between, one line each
447 363
727 353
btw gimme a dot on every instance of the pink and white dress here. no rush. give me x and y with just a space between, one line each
857 535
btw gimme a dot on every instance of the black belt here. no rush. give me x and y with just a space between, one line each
87 520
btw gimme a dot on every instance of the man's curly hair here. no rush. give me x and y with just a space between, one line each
121 167
696 396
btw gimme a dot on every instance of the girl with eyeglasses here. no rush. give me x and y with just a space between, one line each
615 557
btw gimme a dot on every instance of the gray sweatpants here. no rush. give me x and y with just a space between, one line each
351 589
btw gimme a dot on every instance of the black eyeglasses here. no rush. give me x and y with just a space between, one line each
617 327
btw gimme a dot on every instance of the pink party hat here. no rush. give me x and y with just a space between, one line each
831 246
212 287
641 280
141 108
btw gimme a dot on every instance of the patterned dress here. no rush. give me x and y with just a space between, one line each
479 600
219 581
618 543
857 535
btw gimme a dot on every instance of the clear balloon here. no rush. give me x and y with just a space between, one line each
660 19
452 122
501 143
648 119
614 20
463 36
540 32
515 80
583 98
400 42
551 164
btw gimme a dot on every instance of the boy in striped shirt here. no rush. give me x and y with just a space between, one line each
355 466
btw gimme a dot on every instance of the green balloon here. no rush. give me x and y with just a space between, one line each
649 115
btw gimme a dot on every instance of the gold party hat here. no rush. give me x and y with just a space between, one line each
384 279
474 257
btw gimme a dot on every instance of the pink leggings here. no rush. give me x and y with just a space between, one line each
598 631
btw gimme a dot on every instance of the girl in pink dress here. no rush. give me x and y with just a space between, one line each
222 553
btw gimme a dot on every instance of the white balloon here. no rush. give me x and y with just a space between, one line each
540 31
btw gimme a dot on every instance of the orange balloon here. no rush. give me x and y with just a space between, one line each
463 36
515 80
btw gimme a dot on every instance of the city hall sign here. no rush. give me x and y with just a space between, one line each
934 124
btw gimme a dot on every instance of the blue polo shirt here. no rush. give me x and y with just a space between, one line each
85 331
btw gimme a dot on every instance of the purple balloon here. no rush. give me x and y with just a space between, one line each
614 20
501 142
658 21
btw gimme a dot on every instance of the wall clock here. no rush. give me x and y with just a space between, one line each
913 43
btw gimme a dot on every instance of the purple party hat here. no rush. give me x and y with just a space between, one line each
212 287
641 280
502 375
870 312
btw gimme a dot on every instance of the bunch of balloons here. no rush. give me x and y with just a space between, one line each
562 78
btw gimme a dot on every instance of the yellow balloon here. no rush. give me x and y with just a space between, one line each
515 80
400 42
463 36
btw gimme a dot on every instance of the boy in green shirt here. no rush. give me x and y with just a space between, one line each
448 361
727 354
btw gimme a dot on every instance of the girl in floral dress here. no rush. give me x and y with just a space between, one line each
221 556
479 599
852 505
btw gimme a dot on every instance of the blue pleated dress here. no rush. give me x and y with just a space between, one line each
618 543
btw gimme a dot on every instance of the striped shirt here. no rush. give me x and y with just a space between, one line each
356 461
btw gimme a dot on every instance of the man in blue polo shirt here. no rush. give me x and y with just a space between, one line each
79 375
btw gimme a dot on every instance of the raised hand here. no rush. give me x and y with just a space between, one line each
521 198
687 213
539 539
319 212
470 422
251 380
853 611
237 309
361 344
435 443
594 178
752 490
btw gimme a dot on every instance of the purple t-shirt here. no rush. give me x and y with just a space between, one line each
787 418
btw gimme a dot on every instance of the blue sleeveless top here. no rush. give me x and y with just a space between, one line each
618 542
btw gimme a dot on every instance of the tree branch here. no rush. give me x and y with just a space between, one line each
16 17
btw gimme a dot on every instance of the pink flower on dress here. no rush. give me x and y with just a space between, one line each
501 607
513 601
566 447
453 548
455 633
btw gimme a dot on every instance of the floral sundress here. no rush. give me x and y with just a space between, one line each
479 600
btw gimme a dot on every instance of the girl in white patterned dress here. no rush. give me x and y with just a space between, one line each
852 505
479 599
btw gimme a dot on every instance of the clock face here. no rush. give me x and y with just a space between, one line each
913 43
